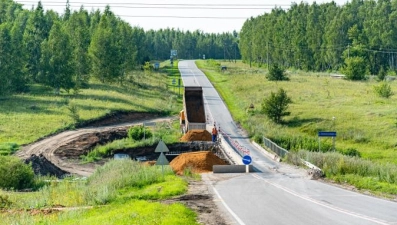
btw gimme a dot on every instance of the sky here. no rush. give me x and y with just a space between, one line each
210 16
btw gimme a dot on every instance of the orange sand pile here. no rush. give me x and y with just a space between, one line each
197 135
198 162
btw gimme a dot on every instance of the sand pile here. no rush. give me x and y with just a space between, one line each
198 162
197 135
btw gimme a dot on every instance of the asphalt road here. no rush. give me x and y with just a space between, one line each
280 194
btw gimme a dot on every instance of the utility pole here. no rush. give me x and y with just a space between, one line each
267 55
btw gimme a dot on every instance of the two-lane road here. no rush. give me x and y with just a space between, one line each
283 195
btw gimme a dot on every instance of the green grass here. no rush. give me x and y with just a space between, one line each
363 120
116 193
25 118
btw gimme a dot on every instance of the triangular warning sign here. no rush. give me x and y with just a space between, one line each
162 160
161 147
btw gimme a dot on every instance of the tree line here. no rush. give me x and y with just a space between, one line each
65 51
324 37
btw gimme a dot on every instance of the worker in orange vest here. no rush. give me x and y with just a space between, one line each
214 134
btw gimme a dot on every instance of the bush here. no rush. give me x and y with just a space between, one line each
355 68
382 74
276 73
137 133
8 148
276 105
14 174
383 90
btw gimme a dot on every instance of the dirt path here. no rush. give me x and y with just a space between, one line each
64 149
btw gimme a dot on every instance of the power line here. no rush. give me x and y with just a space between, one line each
167 4
160 7
187 17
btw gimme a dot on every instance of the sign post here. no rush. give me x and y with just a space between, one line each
326 134
247 160
162 160
147 124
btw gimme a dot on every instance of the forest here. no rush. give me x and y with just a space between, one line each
40 46
324 37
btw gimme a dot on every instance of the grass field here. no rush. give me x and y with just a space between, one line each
120 192
25 118
363 120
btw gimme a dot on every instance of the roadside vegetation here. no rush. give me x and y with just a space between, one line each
365 122
120 192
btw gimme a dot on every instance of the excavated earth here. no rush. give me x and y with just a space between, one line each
59 155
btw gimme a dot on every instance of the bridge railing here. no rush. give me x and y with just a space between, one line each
274 147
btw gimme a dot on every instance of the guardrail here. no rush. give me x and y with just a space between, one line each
274 147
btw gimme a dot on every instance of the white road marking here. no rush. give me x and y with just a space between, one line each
364 217
239 221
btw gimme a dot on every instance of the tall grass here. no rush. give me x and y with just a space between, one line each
359 172
113 189
102 186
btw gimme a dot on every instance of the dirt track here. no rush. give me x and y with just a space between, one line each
64 149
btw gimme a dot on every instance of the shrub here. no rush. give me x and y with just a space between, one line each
382 74
14 174
383 90
139 132
355 68
8 148
276 73
276 105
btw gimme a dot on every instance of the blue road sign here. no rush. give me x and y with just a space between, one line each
247 160
327 134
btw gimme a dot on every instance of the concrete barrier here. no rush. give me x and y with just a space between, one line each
231 169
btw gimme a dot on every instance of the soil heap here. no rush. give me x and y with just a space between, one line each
41 166
198 162
197 135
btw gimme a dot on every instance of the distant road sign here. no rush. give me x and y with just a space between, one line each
327 134
161 147
173 81
247 160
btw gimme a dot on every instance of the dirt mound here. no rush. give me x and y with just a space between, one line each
83 143
119 117
41 166
198 162
197 135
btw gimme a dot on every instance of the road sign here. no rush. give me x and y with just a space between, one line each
173 81
247 160
162 160
161 147
327 134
